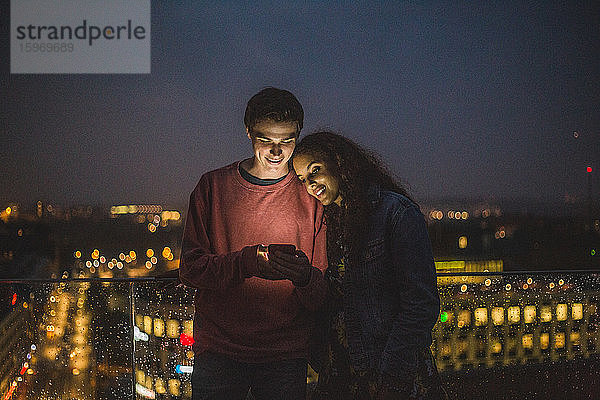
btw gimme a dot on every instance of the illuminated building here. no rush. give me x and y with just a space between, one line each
466 267
533 321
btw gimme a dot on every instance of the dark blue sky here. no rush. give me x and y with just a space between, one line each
472 100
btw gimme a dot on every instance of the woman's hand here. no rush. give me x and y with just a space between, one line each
296 267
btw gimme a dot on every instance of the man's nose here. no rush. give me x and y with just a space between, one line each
276 149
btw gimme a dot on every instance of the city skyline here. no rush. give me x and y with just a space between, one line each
489 102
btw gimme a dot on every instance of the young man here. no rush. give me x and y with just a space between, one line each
253 307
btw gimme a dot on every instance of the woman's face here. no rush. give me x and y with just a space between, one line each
318 179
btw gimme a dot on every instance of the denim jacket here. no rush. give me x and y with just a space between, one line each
391 300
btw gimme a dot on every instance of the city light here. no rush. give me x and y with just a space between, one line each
545 314
561 312
529 314
186 340
527 341
184 369
559 340
172 328
139 335
159 327
481 316
498 315
514 314
145 392
444 317
544 341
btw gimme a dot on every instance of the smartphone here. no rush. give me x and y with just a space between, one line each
284 248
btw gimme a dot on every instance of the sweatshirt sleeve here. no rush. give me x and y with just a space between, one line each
313 294
199 268
420 302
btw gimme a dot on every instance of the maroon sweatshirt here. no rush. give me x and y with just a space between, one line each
247 318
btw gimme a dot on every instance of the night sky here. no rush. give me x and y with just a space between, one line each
478 100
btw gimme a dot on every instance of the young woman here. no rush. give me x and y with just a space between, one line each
383 299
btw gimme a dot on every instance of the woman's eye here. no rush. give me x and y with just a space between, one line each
315 170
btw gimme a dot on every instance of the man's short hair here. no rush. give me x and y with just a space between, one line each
273 104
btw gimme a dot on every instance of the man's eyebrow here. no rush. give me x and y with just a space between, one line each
261 135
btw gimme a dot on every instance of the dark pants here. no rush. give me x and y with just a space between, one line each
216 377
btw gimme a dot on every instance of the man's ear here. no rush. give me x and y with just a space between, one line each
248 133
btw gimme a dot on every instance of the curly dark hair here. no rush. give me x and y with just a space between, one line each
356 169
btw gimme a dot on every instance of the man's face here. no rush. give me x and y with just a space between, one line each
273 144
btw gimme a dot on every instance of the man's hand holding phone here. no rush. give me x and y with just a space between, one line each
265 267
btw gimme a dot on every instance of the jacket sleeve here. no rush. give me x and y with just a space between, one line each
201 269
313 294
416 282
